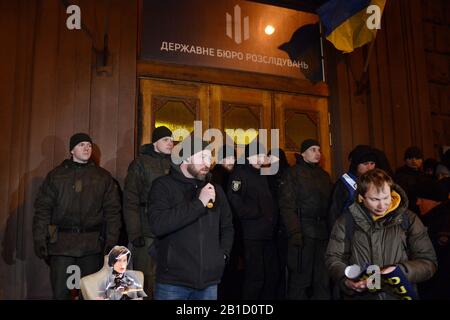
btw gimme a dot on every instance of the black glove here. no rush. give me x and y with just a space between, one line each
40 249
138 242
296 240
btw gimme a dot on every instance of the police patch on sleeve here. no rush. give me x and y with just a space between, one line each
235 185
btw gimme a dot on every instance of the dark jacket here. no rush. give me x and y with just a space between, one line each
191 239
141 174
408 179
383 242
339 200
438 223
81 197
304 196
250 197
220 176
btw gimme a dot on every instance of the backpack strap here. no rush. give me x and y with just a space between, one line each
405 224
349 226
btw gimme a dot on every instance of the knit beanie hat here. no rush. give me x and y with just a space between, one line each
192 145
225 151
413 152
77 138
161 132
251 149
308 143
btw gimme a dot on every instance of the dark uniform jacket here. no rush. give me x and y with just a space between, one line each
304 197
383 243
191 239
338 201
220 176
408 179
83 202
141 174
251 198
438 223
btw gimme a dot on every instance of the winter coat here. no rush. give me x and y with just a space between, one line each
408 179
77 210
192 241
304 196
148 166
251 198
383 242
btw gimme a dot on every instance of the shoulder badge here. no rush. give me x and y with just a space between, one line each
235 185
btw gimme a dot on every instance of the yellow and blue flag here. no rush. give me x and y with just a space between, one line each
345 22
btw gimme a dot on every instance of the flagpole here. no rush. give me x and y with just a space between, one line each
362 83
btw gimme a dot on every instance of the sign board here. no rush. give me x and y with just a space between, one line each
233 34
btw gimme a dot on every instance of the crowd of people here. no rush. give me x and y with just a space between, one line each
226 231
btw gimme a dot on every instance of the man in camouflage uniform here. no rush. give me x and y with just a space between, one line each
77 216
153 162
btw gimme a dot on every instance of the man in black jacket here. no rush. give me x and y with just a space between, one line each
231 286
194 238
434 205
250 197
153 162
410 174
304 195
77 216
362 159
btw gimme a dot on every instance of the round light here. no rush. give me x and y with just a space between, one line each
269 30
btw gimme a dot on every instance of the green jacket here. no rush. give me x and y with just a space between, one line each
83 202
304 195
148 166
383 242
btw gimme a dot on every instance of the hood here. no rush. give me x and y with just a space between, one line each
364 219
177 174
149 150
361 154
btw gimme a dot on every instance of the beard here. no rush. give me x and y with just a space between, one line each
197 173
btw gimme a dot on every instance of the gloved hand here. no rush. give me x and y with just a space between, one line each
138 242
296 240
40 249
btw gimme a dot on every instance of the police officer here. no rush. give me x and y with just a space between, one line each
250 197
77 216
153 162
304 195
231 285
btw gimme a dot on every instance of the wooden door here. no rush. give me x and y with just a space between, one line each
175 104
240 113
300 117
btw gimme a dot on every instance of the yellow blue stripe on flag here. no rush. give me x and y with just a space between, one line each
344 22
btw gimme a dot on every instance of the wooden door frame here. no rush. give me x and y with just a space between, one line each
213 76
189 90
167 71
306 104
